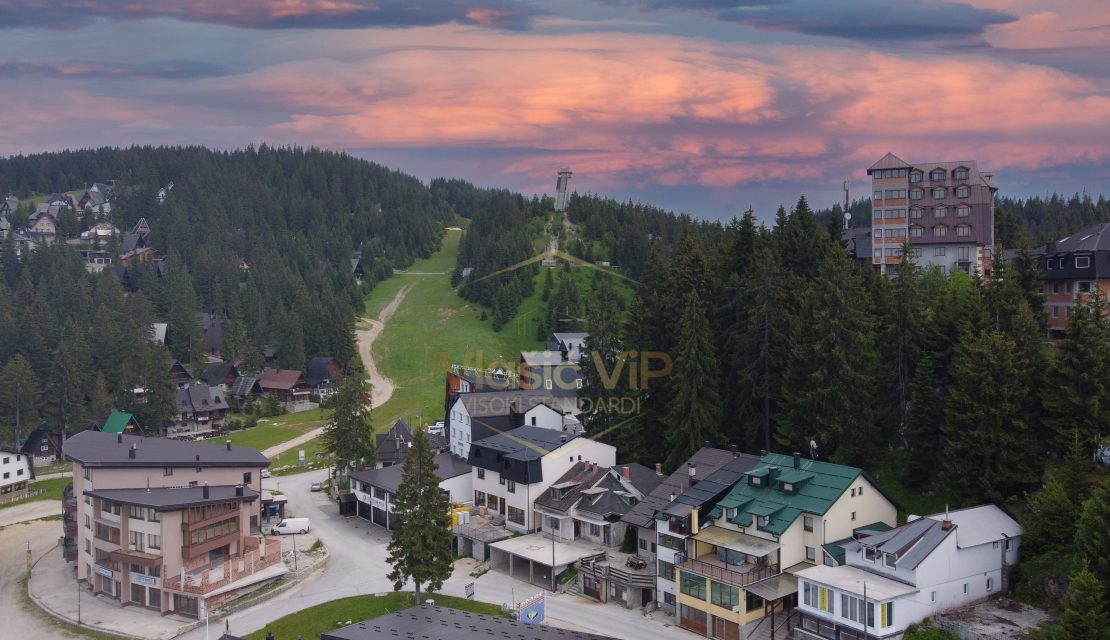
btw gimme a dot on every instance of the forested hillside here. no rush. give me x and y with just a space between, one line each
262 238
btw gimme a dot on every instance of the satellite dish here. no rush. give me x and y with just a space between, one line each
848 216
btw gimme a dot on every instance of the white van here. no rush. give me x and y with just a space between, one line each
290 525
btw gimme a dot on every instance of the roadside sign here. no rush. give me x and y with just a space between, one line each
300 456
530 611
469 590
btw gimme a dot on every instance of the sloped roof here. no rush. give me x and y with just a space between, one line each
487 404
391 445
442 623
814 494
117 422
98 449
524 443
889 161
389 478
282 379
217 372
980 525
316 370
911 542
175 498
581 475
243 386
1096 238
706 460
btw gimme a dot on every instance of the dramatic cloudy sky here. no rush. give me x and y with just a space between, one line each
699 105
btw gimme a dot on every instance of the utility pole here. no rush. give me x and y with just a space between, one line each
552 558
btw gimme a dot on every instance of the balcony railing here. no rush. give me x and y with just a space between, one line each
204 578
710 567
69 500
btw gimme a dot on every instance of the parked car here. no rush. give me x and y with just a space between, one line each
290 525
265 473
317 486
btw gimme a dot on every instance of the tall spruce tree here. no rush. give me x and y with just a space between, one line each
831 371
349 435
693 406
605 369
924 421
19 395
1075 394
1092 532
420 545
1085 615
990 450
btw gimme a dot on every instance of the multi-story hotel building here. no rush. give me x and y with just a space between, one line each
164 524
1073 268
944 210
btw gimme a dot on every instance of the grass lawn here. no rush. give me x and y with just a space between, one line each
273 431
51 490
329 616
286 463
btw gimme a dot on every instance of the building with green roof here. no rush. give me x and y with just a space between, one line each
121 422
775 521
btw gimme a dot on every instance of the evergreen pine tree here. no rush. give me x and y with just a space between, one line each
605 368
1075 395
1085 615
420 545
100 400
19 395
1050 520
184 334
694 406
288 339
1092 532
832 359
66 389
349 435
924 419
989 449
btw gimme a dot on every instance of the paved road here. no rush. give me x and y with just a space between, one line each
357 566
17 621
30 511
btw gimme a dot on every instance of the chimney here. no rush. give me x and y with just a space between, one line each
658 468
797 460
239 490
946 525
672 496
198 457
131 452
772 473
692 468
562 438
119 438
626 472
205 494
228 442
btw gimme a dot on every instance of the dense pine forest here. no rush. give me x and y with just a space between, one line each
262 238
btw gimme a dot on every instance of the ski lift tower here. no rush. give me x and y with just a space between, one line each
562 196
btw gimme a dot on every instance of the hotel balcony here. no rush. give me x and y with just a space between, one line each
199 576
69 500
731 557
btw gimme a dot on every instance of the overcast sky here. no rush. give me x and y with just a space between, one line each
704 106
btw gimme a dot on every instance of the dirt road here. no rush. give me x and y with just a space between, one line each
382 386
19 622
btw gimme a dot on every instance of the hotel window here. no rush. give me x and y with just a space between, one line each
1084 287
963 230
878 214
878 195
915 176
1061 263
895 193
940 251
937 175
851 608
153 541
894 253
964 253
167 471
960 173
939 192
916 194
963 211
915 252
878 256
761 521
916 231
940 212
1083 262
693 585
481 473
915 212
940 230
963 191
510 486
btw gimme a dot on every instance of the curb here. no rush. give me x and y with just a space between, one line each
225 612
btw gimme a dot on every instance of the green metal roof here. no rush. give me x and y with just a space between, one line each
117 422
824 483
835 549
877 527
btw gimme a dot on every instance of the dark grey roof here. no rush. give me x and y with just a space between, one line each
216 373
1096 238
715 485
244 386
172 499
911 542
525 443
389 478
707 460
213 329
644 479
99 449
316 371
200 397
391 445
441 623
130 242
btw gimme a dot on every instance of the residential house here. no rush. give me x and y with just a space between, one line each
96 199
287 385
165 524
9 207
15 472
244 389
587 504
1073 268
356 268
510 471
857 241
737 566
571 345
390 447
199 408
213 329
43 223
323 373
550 371
375 490
673 529
96 260
42 447
121 422
181 376
899 577
469 380
479 415
102 231
642 516
221 374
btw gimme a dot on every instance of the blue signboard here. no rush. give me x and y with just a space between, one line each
141 579
530 611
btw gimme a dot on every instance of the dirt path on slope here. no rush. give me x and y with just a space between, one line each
382 386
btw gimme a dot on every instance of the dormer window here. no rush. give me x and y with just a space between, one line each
963 211
788 487
916 194
1082 262
937 175
940 230
961 173
916 176
940 211
939 192
761 521
963 191
869 554
890 560
756 481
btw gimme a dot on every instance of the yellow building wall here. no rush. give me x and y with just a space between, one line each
870 506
